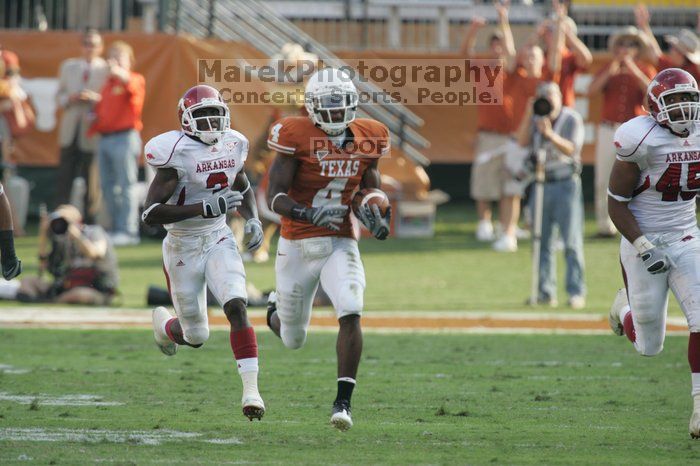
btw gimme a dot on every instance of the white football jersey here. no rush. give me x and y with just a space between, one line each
664 199
202 171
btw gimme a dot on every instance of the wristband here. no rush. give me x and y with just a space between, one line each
618 198
272 203
642 244
145 213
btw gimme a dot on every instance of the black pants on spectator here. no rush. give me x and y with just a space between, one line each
74 163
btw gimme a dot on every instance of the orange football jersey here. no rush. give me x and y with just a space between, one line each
326 175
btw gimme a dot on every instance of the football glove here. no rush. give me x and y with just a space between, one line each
326 216
377 225
219 204
254 231
655 260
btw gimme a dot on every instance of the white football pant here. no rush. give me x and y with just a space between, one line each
299 267
648 294
191 263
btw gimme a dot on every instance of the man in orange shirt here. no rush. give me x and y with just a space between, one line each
684 50
118 121
566 54
623 83
493 133
523 74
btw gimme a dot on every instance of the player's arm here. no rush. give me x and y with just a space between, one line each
249 211
370 216
163 187
623 180
11 266
282 174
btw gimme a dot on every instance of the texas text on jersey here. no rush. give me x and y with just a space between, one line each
202 170
669 173
326 175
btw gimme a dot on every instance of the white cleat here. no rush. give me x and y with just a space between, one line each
340 419
694 426
160 316
614 314
253 406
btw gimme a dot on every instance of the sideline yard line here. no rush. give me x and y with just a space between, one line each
381 321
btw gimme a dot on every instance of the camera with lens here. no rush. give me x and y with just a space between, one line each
58 224
542 107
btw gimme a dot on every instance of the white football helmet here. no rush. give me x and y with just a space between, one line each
331 100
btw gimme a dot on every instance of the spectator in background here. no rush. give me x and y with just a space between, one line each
566 54
623 83
523 74
81 260
118 121
560 133
493 133
79 83
684 50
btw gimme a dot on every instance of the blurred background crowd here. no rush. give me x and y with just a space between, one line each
574 71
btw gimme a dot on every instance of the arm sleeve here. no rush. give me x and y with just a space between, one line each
280 138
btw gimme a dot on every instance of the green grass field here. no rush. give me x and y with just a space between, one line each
421 399
450 272
109 397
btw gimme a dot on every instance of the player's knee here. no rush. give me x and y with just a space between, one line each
196 336
350 300
294 337
235 310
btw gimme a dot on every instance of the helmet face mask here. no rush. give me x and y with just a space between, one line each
679 114
204 115
673 99
331 100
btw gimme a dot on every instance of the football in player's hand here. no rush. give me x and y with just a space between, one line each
370 196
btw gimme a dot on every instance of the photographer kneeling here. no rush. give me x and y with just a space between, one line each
82 261
559 132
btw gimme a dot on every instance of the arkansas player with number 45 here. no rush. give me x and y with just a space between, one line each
199 177
321 160
651 199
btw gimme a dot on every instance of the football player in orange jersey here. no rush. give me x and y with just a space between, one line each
321 160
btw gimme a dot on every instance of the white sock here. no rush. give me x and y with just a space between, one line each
247 365
250 383
623 312
695 392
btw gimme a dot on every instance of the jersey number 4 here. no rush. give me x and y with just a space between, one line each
670 183
331 195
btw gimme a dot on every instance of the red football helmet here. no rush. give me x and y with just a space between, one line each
679 116
208 128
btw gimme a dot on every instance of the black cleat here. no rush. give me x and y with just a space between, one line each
340 417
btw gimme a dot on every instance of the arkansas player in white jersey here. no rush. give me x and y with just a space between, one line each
651 199
199 177
321 160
